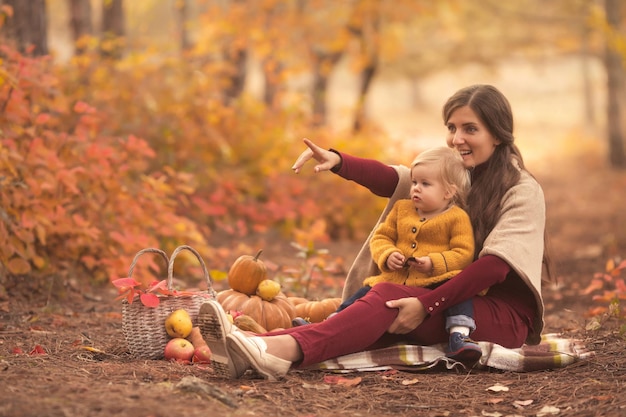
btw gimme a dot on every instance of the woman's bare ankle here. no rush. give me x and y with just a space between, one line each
283 347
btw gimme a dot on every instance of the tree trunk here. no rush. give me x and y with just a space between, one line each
182 9
237 58
323 64
365 25
113 18
272 66
590 114
80 23
112 28
615 90
367 76
272 70
28 26
235 52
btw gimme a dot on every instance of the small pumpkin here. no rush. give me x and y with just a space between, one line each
246 273
317 311
271 315
298 300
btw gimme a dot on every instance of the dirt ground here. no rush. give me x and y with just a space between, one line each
84 369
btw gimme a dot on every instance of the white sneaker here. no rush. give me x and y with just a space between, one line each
253 349
214 327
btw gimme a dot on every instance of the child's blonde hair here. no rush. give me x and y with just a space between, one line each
452 172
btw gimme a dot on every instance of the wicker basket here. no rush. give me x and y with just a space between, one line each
144 327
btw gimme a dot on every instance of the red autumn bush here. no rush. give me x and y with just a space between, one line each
73 199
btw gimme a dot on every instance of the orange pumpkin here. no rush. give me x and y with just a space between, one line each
317 311
246 273
274 314
298 300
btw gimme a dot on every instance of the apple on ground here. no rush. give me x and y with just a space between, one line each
179 350
201 354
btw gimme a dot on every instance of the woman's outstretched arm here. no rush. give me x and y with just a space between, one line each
379 178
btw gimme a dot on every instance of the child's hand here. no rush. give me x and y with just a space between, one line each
423 264
395 261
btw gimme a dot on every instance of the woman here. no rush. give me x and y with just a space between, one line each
507 209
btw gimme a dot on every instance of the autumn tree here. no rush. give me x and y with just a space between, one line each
365 25
80 23
317 41
222 46
113 28
616 88
273 18
182 10
28 25
236 52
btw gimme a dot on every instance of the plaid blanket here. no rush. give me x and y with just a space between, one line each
553 352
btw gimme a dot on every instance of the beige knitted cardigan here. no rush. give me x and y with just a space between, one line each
517 238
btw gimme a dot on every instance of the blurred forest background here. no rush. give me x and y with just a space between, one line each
155 123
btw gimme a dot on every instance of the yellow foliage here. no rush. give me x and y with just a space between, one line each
164 161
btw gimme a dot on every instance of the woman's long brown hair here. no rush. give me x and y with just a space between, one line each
485 196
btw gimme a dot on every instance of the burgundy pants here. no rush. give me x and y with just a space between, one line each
364 324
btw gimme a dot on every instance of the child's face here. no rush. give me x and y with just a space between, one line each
429 194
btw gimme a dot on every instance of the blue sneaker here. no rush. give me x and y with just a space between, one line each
299 321
463 349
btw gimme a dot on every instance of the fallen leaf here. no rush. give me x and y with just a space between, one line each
548 410
339 380
38 350
495 400
490 414
594 324
92 349
497 388
602 397
319 387
522 403
18 266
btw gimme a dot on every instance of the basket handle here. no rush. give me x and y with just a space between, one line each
141 252
170 269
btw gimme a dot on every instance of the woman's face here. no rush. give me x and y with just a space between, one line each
468 135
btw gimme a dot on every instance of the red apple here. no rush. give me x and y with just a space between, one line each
201 354
179 350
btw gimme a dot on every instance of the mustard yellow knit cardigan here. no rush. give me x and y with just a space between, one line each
446 238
